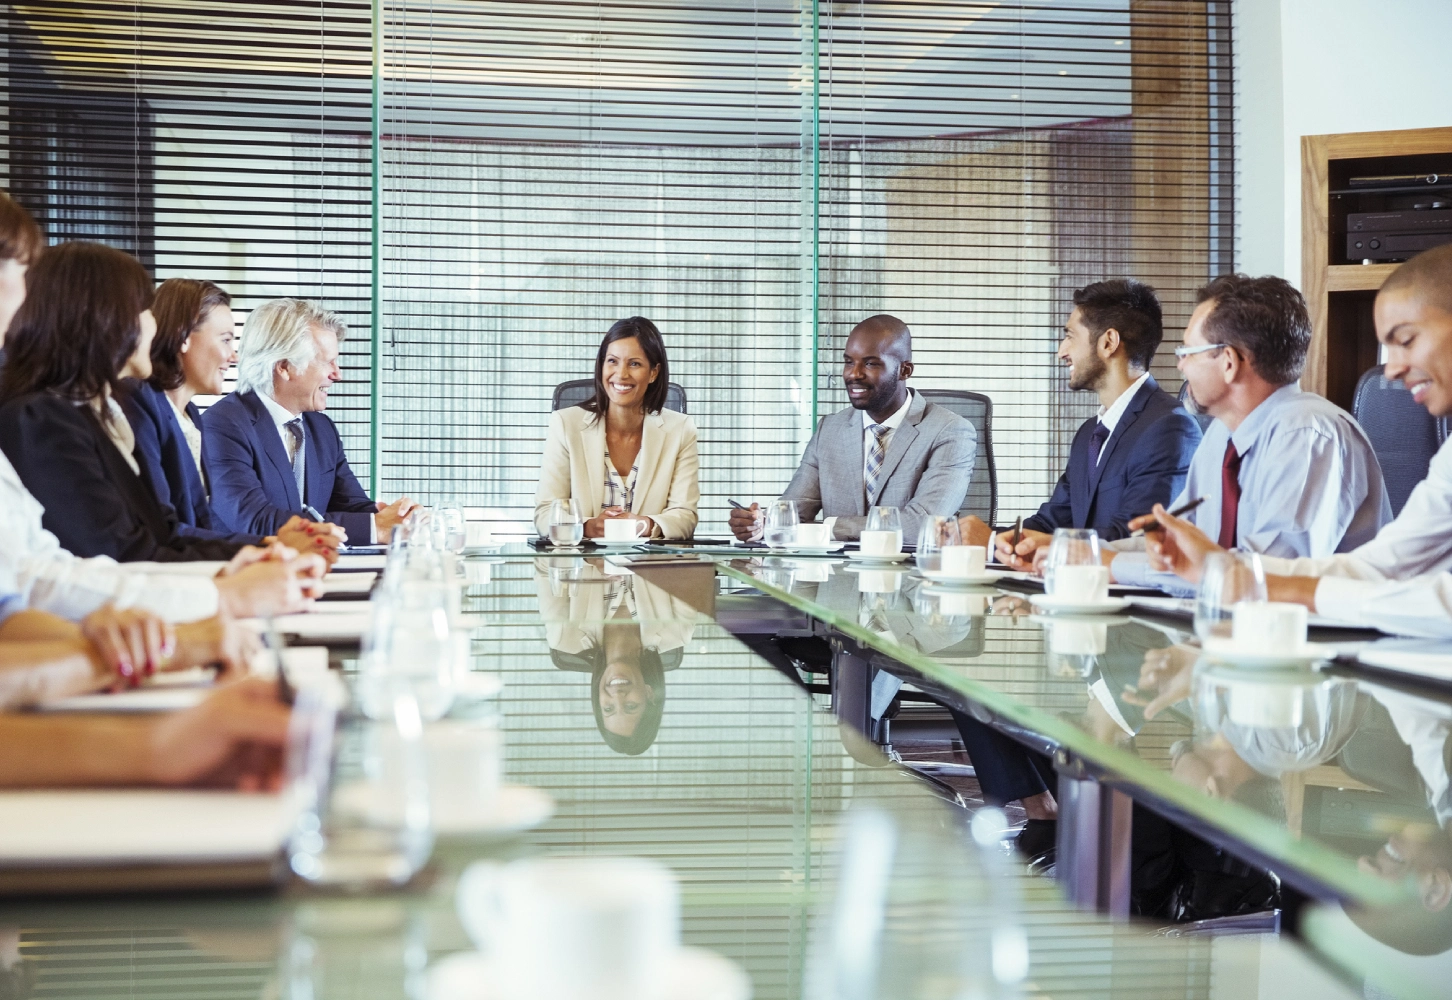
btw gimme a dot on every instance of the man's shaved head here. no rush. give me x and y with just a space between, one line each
1427 276
890 334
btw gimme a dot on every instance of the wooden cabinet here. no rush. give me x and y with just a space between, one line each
1340 291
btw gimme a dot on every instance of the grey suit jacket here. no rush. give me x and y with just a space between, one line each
928 466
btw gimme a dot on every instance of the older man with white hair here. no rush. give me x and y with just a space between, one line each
269 450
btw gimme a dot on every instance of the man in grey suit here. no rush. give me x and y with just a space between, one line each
890 448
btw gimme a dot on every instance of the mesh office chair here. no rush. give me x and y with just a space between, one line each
1203 419
576 391
977 409
1403 434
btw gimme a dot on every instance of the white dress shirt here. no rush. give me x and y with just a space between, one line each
1111 415
189 430
281 417
892 423
1309 486
48 578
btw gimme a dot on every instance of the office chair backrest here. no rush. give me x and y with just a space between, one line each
1203 419
977 409
576 391
1403 434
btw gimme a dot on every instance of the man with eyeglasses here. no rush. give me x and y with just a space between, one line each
1282 472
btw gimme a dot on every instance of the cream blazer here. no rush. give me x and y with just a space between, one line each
666 488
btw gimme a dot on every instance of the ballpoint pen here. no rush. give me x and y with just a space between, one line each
1179 512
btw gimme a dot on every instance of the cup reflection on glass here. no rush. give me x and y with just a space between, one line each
879 581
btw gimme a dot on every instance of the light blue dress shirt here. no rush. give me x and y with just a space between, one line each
1310 485
9 604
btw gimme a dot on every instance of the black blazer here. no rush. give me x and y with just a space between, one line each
167 465
253 488
1144 462
93 502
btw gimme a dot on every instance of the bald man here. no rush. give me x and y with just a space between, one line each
890 447
1400 579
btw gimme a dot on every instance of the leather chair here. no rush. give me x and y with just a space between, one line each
977 409
576 391
1403 434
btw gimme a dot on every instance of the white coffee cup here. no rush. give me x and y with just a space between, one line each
624 529
813 535
477 534
465 769
880 543
1269 626
574 928
964 560
1082 584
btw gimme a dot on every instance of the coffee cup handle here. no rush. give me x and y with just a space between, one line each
640 529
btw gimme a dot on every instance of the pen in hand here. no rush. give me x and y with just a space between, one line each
1179 512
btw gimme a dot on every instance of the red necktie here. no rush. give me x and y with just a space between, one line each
1229 496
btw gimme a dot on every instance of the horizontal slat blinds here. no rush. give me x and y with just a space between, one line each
755 177
220 140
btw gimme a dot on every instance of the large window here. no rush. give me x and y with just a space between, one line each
482 187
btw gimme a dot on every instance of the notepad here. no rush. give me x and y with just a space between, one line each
349 583
349 564
350 625
70 828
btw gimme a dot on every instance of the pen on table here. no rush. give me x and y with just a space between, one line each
1178 512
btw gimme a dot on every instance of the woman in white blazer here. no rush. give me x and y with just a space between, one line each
622 454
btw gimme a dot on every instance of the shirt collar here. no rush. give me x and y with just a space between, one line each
1110 415
893 422
1261 419
279 413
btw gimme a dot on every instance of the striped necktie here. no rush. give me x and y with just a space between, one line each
875 459
299 457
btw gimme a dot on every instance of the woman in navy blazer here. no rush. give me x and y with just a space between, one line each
191 355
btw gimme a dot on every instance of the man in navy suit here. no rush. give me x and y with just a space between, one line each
1136 451
1133 454
270 451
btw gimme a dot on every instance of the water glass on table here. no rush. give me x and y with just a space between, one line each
1228 579
567 527
360 789
1074 571
451 530
780 523
882 536
938 532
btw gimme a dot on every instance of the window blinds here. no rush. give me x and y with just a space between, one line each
507 179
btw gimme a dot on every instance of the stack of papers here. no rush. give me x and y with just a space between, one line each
1424 658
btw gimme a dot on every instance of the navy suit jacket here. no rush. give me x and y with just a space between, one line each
94 503
252 483
167 465
1144 462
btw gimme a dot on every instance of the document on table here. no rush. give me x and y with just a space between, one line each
349 625
1428 658
349 583
71 828
352 563
182 689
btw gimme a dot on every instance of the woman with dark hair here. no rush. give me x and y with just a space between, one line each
621 454
190 356
84 326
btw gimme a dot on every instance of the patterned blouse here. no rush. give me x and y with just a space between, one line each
619 492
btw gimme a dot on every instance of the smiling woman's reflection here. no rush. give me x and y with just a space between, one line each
626 633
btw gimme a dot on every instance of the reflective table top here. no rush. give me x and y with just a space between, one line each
744 791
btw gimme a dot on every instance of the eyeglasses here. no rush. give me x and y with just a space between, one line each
1185 352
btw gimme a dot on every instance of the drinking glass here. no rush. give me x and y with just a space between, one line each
1075 547
359 787
938 531
567 528
450 527
781 523
1227 579
412 644
886 519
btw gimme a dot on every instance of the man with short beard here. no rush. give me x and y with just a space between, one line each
890 447
1136 451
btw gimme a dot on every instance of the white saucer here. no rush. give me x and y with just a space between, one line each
1059 606
517 808
694 974
1223 650
945 580
894 558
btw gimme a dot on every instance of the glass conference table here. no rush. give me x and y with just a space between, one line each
1336 782
746 792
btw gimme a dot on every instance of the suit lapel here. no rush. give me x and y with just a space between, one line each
849 445
652 439
1126 421
902 439
196 417
592 434
314 470
1082 476
271 443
